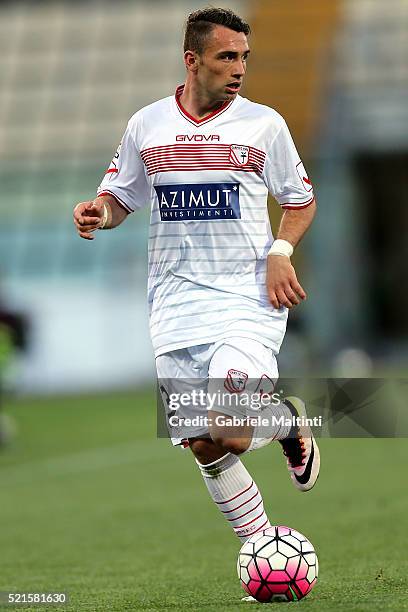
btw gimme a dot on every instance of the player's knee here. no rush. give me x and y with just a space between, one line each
204 450
236 446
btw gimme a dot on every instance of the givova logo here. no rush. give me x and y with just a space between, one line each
202 202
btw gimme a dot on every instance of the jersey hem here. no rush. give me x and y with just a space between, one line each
121 203
174 346
293 206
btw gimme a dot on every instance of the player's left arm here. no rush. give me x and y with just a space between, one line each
282 284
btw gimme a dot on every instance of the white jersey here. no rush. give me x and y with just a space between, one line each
207 184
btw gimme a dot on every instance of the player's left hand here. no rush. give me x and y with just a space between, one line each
282 285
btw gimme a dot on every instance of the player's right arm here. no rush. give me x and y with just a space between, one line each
123 189
104 212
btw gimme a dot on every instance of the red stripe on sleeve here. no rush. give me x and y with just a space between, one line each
290 206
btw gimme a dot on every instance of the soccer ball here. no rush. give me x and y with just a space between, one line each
277 564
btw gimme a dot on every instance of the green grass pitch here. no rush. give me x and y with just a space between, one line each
92 503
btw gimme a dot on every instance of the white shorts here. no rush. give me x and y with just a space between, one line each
233 365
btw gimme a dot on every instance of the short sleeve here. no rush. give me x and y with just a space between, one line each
284 173
125 178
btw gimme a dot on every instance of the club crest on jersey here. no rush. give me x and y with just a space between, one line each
239 155
235 381
199 202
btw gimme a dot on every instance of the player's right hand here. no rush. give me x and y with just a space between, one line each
88 217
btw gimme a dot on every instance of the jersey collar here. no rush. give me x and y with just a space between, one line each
205 119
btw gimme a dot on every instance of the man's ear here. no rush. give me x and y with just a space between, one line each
191 61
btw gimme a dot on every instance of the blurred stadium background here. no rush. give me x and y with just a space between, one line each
72 73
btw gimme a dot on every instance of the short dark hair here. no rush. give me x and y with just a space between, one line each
201 23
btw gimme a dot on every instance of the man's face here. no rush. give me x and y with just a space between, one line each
221 66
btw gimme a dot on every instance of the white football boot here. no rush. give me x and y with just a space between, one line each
300 448
249 599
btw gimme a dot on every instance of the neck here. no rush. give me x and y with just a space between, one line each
197 102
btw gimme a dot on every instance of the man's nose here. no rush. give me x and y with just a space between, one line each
239 69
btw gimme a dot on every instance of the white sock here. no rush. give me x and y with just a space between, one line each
264 434
236 495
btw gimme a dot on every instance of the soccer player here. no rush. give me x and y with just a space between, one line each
220 286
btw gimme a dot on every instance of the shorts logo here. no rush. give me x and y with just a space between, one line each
202 202
307 183
239 155
235 381
265 386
